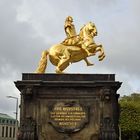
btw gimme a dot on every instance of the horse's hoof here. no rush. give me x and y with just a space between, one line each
101 58
58 71
90 64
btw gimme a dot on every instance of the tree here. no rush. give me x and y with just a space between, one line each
130 116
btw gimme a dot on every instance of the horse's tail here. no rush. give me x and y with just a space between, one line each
42 63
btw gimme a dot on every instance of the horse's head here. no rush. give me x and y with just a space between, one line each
91 28
88 30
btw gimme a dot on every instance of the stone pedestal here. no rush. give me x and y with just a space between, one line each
69 107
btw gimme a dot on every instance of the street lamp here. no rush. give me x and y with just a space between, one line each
16 124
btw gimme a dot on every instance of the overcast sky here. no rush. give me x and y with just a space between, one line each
27 27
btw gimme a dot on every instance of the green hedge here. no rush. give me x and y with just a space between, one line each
130 117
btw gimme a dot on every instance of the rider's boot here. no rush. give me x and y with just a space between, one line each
88 53
85 49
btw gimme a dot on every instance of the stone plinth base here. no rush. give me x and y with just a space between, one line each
69 106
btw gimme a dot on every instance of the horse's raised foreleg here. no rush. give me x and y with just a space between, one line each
101 55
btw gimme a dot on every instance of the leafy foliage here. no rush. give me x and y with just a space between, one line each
130 115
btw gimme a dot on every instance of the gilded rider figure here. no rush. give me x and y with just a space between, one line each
73 39
69 27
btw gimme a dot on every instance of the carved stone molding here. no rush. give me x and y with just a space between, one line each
28 130
107 130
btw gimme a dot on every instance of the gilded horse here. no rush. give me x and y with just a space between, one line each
72 50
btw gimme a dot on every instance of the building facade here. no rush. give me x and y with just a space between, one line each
7 127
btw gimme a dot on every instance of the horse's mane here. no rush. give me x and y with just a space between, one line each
85 29
81 31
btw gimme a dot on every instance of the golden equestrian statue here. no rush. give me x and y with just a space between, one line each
73 49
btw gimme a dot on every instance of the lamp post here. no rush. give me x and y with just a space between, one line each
16 124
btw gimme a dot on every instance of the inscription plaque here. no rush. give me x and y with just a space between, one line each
68 116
